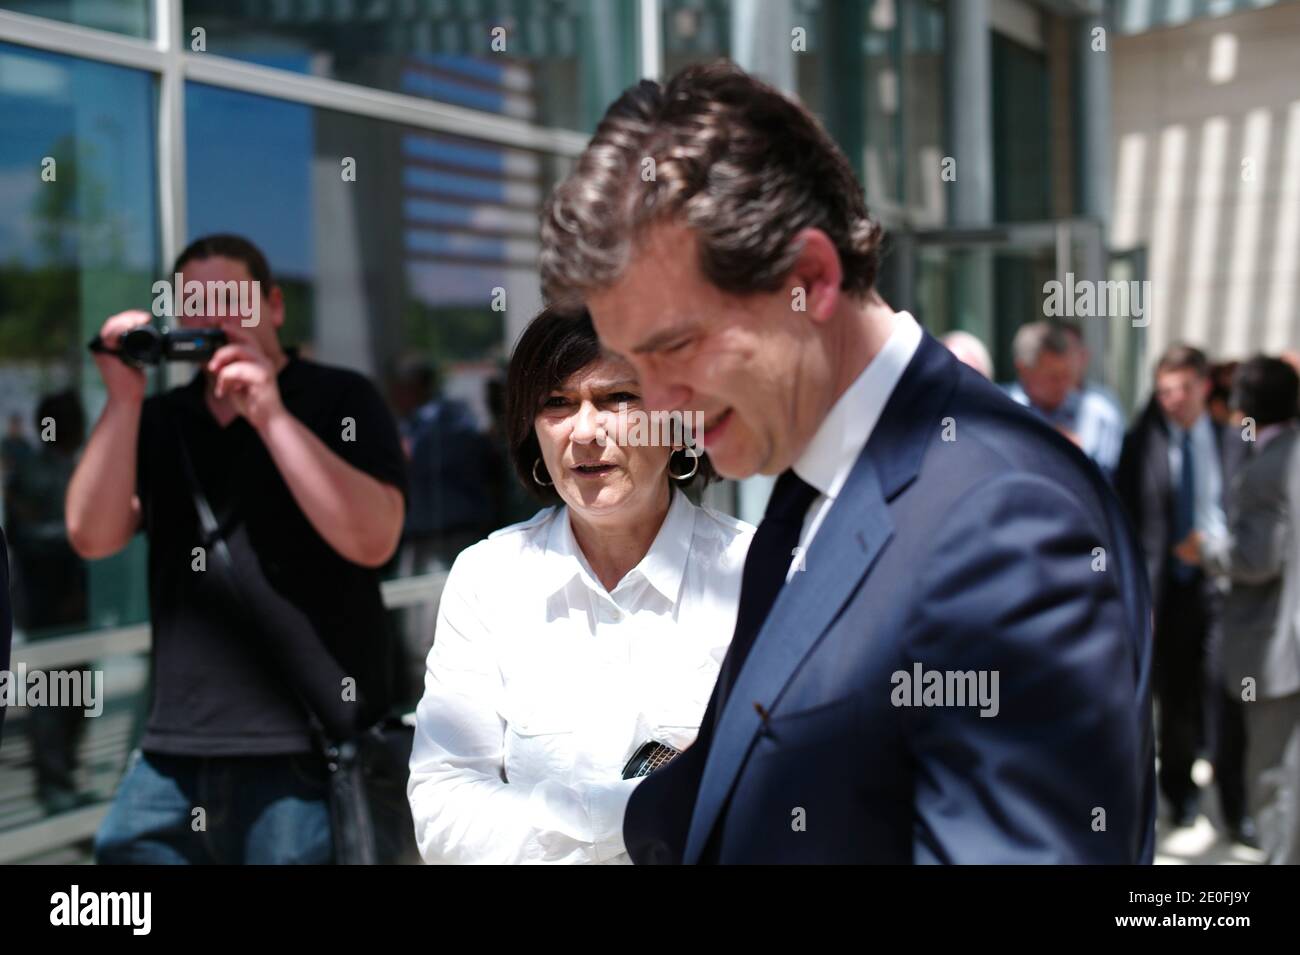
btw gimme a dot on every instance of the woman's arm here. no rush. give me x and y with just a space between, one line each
464 810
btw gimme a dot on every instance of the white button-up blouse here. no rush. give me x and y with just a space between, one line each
541 684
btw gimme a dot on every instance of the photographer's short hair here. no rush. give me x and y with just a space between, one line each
1267 390
553 348
1034 338
743 166
1183 357
228 246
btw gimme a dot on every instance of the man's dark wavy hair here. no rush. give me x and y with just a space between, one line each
743 166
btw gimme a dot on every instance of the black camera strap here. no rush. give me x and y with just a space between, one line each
356 764
214 541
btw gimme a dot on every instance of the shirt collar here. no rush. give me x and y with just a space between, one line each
663 565
1065 412
1176 430
829 457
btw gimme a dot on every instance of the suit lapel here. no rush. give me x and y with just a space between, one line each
851 537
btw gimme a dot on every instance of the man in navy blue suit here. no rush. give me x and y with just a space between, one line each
942 651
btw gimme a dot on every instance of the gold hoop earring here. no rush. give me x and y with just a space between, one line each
693 471
536 478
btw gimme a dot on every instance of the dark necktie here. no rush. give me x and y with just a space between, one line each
770 555
1185 507
768 561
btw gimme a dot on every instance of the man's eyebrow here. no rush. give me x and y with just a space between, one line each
613 384
661 338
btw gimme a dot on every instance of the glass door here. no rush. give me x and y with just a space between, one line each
991 281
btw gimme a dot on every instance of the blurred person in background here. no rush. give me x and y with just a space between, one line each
1261 618
1219 404
1173 477
569 642
969 350
1100 421
453 498
453 469
14 446
303 469
50 583
1047 378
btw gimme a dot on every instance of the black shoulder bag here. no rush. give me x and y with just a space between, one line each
370 817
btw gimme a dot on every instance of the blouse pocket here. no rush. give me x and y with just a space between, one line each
539 744
677 725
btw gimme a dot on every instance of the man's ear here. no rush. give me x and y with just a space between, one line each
816 276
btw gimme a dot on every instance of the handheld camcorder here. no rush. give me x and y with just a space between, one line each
146 345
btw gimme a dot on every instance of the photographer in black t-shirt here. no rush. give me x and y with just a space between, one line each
302 466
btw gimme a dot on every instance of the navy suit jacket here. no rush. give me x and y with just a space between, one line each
965 539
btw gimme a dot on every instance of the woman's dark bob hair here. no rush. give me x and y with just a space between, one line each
551 350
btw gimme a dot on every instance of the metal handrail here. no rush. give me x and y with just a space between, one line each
48 834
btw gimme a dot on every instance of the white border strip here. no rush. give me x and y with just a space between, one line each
651 42
172 205
80 647
93 644
325 93
178 65
81 42
48 835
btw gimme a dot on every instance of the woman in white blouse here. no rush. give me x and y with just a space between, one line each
567 642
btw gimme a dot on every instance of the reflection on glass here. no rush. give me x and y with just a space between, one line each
548 62
131 17
1022 150
77 244
923 112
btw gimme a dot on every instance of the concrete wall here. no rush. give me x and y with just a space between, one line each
1206 153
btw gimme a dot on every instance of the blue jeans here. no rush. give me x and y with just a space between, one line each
257 810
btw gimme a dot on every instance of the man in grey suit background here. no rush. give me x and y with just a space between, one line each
1261 616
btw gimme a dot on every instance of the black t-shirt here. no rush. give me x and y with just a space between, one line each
225 675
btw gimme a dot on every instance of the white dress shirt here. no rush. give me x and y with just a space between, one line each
541 684
1090 414
831 454
1207 478
1101 428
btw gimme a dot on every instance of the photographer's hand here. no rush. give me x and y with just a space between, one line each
246 376
125 384
356 514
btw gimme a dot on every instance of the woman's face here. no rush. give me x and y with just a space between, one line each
594 478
